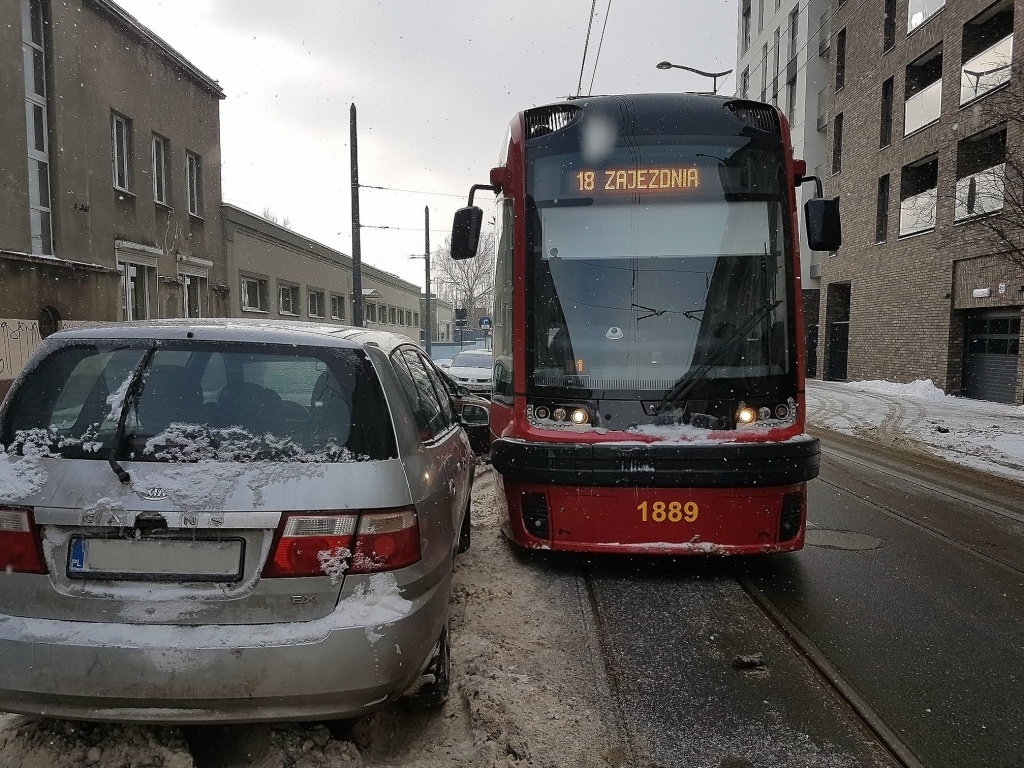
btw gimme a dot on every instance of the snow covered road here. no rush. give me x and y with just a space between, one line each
988 437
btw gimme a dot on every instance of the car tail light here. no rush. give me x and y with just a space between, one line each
21 549
386 541
329 543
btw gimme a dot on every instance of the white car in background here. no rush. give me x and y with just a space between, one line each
472 370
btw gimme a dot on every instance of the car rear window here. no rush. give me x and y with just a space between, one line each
189 402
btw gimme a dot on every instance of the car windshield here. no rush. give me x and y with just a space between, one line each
472 360
228 402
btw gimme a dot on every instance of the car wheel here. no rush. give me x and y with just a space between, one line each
436 679
465 532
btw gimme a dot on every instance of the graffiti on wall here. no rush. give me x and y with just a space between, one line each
18 340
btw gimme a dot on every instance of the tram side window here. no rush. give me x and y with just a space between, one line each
502 386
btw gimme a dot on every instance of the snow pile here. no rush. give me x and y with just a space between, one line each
30 743
20 477
984 436
923 388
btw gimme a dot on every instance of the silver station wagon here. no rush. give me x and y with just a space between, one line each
221 521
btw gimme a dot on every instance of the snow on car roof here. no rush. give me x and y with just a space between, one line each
240 329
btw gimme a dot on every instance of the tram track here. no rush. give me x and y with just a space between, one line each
829 674
967 500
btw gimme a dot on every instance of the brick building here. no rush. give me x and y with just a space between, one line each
921 130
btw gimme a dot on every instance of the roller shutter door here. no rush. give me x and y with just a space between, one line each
991 359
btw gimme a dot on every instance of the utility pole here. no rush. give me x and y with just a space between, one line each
357 269
426 260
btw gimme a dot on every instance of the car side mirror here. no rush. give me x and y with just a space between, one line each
466 232
474 416
824 229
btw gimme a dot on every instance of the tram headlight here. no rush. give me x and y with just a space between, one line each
782 411
542 411
558 414
579 416
746 415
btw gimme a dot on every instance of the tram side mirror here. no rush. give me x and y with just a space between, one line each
824 231
466 232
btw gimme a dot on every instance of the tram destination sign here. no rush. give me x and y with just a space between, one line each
631 180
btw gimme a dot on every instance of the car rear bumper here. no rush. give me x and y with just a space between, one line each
226 673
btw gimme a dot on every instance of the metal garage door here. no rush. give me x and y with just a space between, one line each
993 350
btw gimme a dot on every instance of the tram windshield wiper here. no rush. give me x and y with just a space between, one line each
694 376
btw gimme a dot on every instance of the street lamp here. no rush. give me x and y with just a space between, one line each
713 75
426 307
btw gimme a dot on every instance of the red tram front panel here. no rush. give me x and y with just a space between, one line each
666 521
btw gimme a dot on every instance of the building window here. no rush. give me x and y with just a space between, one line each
136 282
193 294
980 164
919 11
40 220
837 143
370 310
923 91
255 294
194 182
160 179
918 195
840 59
121 138
408 317
987 50
316 303
744 83
882 210
760 16
885 127
794 27
416 319
745 24
764 72
391 316
775 77
337 307
889 26
288 299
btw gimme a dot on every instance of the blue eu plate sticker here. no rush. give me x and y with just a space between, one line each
77 560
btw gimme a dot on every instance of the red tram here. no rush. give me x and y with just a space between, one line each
648 387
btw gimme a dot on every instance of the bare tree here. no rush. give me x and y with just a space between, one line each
467 284
270 216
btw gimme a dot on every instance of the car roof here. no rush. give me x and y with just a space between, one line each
241 330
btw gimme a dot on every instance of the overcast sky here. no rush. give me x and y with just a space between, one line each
435 83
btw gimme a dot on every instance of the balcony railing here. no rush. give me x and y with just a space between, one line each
988 70
917 213
823 105
923 108
824 33
979 193
919 11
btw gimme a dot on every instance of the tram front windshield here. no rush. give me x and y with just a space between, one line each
662 258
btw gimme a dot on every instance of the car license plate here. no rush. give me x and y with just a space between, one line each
155 559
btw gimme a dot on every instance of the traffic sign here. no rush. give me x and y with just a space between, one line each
485 322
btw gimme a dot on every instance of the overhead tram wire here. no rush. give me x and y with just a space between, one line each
586 45
412 191
597 56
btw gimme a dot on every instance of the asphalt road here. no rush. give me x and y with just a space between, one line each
909 596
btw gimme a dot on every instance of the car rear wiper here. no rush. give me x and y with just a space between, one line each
129 395
691 378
